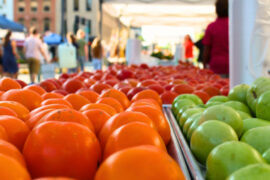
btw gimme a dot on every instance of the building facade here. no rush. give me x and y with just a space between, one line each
78 14
6 9
38 13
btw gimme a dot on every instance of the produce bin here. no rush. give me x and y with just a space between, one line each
176 153
197 171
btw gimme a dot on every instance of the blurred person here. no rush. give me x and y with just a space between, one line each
45 47
97 54
200 47
33 50
1 62
10 65
82 49
216 41
74 41
71 39
188 45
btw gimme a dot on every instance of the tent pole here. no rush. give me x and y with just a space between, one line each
242 19
63 14
101 18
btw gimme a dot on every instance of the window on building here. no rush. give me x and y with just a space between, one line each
88 5
34 9
34 6
21 6
89 27
83 21
76 5
46 8
76 24
46 5
65 27
21 21
65 5
47 24
21 9
33 22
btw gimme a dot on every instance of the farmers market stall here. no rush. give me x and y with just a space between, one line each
163 24
205 125
175 122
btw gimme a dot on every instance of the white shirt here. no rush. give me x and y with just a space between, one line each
33 47
45 48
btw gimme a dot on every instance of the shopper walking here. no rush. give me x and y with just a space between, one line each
33 50
97 54
216 41
199 45
71 39
45 68
188 44
1 61
45 47
82 49
74 41
10 65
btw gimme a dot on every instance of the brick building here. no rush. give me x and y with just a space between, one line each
38 13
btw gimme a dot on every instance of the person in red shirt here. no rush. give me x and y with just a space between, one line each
188 44
216 41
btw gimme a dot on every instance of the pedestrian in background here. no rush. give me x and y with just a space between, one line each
44 65
200 47
97 54
1 61
67 55
188 45
71 39
216 41
10 65
82 49
33 50
45 47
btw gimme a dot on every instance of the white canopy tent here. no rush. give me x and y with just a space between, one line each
249 27
163 22
138 13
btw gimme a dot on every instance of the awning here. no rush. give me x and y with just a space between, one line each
138 13
8 24
175 2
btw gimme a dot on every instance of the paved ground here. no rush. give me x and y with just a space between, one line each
24 76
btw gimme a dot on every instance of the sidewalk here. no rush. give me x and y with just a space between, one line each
26 77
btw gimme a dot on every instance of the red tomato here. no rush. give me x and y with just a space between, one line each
62 149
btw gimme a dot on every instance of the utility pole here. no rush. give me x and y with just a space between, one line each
63 18
101 18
